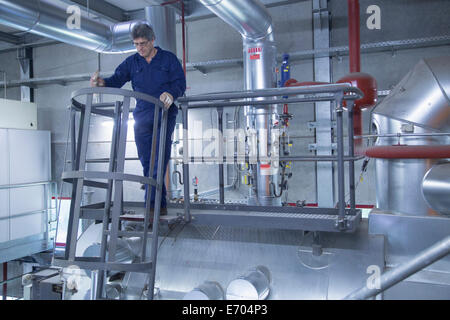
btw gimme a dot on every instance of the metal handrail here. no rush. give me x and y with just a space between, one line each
335 93
285 91
116 92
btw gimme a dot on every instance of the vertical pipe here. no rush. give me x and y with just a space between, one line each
183 32
187 198
221 178
162 19
351 151
353 35
340 162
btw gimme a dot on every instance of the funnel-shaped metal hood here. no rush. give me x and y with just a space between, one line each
422 96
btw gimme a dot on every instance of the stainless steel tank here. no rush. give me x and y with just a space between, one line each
418 104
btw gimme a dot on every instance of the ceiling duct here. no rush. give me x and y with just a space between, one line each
47 20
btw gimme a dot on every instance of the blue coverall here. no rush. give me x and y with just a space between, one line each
163 74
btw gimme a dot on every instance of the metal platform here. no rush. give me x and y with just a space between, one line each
283 218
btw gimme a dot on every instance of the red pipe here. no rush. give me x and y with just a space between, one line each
408 152
353 35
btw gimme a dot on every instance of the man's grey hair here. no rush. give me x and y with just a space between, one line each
143 30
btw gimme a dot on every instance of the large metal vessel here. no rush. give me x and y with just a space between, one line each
419 104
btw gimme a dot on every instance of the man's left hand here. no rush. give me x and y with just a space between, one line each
167 99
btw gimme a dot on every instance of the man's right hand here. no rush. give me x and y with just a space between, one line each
96 81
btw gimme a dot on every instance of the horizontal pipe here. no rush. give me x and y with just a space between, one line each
393 135
408 152
396 275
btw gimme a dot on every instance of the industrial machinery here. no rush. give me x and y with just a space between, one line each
262 247
331 252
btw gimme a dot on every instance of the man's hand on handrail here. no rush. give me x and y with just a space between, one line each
96 81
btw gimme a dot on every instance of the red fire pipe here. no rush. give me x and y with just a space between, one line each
409 152
353 35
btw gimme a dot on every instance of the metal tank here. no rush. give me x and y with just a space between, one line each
419 104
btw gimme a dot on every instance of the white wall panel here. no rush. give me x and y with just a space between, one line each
4 214
22 201
29 156
4 158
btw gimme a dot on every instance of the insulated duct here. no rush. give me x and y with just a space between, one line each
47 20
251 19
162 19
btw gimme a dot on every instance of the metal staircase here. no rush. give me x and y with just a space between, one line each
112 181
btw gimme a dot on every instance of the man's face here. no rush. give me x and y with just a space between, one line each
143 46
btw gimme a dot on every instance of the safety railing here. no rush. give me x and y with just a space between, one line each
335 93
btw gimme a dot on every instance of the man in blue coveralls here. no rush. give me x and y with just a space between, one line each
155 72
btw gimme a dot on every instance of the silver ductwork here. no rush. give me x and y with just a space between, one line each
47 20
251 19
163 21
418 104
